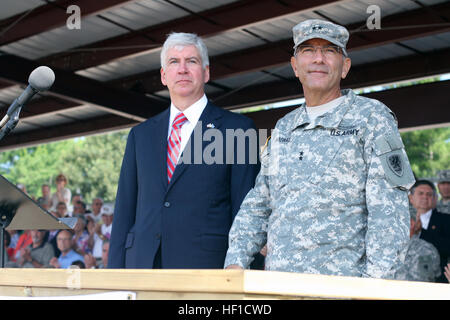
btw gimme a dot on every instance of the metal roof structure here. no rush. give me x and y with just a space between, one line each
108 77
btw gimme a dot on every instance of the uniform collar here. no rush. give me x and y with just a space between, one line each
330 119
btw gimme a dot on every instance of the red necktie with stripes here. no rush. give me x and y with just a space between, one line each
174 144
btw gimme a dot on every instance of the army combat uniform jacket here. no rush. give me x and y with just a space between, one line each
331 196
443 207
422 262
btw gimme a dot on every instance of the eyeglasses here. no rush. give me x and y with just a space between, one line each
309 50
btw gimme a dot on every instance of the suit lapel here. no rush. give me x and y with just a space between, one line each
210 116
433 220
160 135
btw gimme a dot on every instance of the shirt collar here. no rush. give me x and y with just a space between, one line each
425 219
192 113
330 119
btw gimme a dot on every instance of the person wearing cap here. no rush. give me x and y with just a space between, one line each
103 230
443 204
334 176
421 263
422 260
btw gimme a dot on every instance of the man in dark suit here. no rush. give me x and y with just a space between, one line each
181 182
431 225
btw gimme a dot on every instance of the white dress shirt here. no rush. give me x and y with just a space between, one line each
192 113
425 219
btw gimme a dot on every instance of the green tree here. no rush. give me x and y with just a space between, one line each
33 166
428 150
93 165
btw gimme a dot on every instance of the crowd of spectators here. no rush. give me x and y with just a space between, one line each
86 246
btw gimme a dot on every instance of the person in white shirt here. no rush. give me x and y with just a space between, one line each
103 231
62 193
96 207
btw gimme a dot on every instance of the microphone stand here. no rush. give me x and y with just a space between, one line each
11 124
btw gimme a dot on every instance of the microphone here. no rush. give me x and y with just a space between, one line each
40 79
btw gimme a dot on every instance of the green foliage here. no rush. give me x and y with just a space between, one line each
91 164
428 150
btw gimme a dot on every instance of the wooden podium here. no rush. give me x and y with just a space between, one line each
207 284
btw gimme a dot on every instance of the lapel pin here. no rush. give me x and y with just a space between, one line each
433 227
210 125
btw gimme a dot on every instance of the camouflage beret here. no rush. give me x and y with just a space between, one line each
316 28
443 176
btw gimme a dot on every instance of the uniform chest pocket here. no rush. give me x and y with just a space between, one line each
320 156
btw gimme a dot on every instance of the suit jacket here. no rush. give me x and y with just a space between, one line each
438 234
188 219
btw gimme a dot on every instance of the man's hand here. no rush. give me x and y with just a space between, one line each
447 272
264 251
234 266
89 261
416 226
54 262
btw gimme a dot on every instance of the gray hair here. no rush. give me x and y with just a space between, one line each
423 182
181 40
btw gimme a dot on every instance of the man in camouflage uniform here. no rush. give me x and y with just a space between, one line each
334 178
444 189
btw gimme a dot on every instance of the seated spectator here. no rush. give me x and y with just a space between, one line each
76 197
61 210
103 231
62 193
81 236
68 255
38 254
91 262
96 206
79 208
24 241
46 194
14 238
